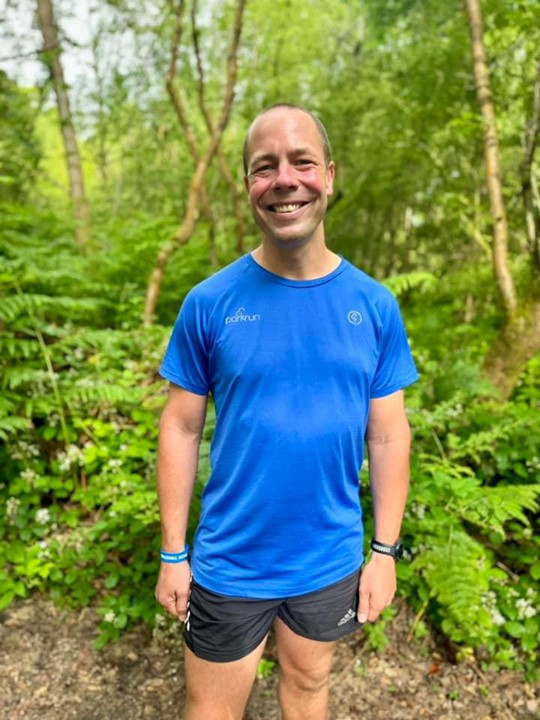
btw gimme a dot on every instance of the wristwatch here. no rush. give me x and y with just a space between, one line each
395 551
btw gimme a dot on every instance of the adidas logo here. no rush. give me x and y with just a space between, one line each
345 619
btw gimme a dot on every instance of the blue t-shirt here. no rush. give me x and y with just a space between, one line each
292 366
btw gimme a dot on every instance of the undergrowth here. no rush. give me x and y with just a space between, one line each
79 411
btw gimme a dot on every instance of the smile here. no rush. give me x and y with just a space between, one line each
286 208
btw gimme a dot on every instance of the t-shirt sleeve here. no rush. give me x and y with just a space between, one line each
395 367
186 359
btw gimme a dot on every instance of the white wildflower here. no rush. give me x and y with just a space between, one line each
30 449
525 609
43 515
12 507
29 475
44 550
109 617
71 456
496 617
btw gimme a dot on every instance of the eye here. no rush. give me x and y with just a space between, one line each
304 162
262 169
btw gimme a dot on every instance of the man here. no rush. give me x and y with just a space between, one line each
305 356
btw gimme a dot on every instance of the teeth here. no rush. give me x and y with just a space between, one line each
286 208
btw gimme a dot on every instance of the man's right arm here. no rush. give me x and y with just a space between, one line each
180 430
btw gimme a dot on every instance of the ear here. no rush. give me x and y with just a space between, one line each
330 175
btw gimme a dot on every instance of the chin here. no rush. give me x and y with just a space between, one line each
289 241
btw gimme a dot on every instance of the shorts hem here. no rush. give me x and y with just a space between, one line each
222 657
337 634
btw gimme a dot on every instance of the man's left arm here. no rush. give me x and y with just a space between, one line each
388 440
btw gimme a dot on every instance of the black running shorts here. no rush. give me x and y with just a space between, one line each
222 629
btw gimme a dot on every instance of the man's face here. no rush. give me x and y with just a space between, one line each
287 179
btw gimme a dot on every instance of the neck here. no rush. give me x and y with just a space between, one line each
301 263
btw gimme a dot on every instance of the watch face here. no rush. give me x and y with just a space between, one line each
398 552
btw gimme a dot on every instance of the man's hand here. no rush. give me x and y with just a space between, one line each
377 587
172 590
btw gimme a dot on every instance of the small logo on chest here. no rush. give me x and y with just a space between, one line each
354 317
241 316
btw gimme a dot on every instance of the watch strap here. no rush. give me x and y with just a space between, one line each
395 551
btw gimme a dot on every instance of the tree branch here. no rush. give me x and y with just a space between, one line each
222 161
185 231
170 84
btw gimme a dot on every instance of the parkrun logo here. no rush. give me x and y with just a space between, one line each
241 316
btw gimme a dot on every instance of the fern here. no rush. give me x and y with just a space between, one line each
96 394
16 305
15 376
399 284
459 574
496 506
12 425
478 443
16 347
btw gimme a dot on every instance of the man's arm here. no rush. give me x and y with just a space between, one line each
388 438
180 432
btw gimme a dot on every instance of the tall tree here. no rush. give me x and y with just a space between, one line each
519 339
493 165
52 57
205 156
528 185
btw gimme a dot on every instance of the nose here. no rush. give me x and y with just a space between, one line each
285 176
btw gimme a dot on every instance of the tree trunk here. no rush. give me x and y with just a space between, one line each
187 226
532 212
52 58
493 168
515 345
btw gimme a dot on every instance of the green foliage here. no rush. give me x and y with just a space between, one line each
80 397
78 425
19 150
376 632
265 668
400 284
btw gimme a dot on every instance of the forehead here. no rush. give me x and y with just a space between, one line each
284 130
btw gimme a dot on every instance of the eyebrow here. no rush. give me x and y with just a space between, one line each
270 156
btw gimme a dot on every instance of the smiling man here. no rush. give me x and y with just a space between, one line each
306 358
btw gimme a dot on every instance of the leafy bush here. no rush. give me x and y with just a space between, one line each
78 426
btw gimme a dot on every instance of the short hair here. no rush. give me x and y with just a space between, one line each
327 149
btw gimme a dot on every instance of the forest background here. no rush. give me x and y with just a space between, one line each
122 189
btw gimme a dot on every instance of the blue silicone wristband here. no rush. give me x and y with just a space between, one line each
179 557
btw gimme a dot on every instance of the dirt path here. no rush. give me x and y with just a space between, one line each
49 670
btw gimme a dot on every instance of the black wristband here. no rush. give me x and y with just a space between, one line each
395 551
